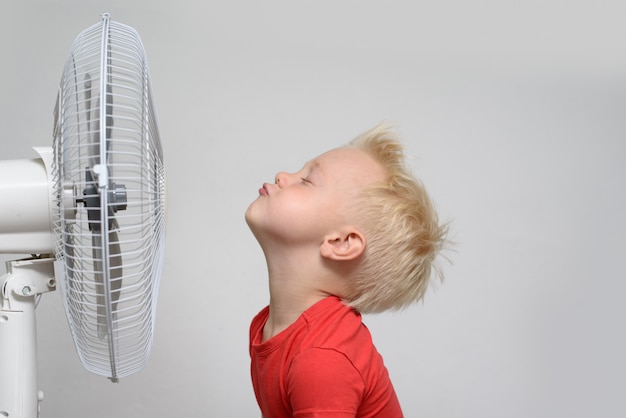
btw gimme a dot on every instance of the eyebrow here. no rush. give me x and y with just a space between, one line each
312 166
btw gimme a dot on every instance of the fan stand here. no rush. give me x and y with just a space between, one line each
38 200
20 290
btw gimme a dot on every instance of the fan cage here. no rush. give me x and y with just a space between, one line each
107 150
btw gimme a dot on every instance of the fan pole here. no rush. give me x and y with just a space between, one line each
20 289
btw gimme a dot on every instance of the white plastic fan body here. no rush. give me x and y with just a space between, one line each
95 209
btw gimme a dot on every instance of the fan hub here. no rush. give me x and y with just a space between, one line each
116 200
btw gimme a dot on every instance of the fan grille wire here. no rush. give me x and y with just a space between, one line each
111 261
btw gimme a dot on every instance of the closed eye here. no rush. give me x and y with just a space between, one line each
305 180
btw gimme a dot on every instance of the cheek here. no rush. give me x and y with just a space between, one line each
291 213
272 213
285 213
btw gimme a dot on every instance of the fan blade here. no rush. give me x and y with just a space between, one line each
109 113
94 128
115 265
87 86
115 281
68 248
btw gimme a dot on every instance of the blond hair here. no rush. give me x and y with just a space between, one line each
402 230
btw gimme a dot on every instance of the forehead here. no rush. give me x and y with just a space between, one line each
349 164
344 155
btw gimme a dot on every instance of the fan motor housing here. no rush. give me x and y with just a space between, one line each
25 224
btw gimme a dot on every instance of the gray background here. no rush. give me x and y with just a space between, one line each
514 116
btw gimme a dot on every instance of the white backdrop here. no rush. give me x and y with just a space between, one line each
514 115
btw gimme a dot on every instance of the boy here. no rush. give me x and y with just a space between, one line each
351 232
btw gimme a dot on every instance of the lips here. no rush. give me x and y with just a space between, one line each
263 191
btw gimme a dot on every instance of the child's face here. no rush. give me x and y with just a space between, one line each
305 206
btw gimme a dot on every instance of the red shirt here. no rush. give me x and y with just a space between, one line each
322 365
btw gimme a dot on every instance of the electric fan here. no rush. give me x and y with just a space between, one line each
91 211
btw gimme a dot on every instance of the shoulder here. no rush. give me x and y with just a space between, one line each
324 378
331 324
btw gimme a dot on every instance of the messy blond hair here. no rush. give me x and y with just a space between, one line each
402 230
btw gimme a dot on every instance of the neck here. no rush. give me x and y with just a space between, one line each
286 306
294 287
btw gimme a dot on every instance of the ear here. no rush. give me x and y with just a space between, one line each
346 245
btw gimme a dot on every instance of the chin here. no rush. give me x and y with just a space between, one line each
251 217
248 216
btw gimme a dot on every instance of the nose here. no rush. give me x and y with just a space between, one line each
282 179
